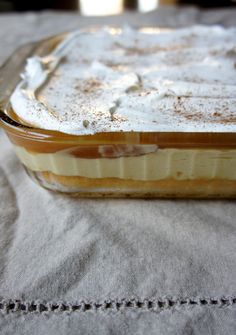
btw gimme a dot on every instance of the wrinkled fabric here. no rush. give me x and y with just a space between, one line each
113 266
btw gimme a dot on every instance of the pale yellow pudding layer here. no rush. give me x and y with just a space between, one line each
179 164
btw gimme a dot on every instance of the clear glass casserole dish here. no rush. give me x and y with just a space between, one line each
118 164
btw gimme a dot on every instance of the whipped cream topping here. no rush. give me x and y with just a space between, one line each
148 80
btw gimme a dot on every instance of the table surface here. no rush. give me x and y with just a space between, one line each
111 266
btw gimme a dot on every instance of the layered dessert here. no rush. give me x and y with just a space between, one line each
145 112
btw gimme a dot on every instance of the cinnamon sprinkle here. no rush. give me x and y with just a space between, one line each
149 50
88 86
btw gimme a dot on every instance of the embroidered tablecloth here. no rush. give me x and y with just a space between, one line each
84 266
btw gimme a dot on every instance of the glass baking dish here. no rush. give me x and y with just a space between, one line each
117 164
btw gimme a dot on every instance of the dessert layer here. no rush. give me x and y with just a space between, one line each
179 164
113 80
115 187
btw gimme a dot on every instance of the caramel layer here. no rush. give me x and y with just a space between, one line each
46 141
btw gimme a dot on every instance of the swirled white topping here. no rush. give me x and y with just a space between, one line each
180 80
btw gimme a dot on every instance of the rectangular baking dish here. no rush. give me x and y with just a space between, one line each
117 164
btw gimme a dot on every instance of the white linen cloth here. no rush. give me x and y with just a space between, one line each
111 266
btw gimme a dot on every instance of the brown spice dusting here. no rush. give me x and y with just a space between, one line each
216 114
230 119
149 50
119 118
220 116
115 66
194 116
88 86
